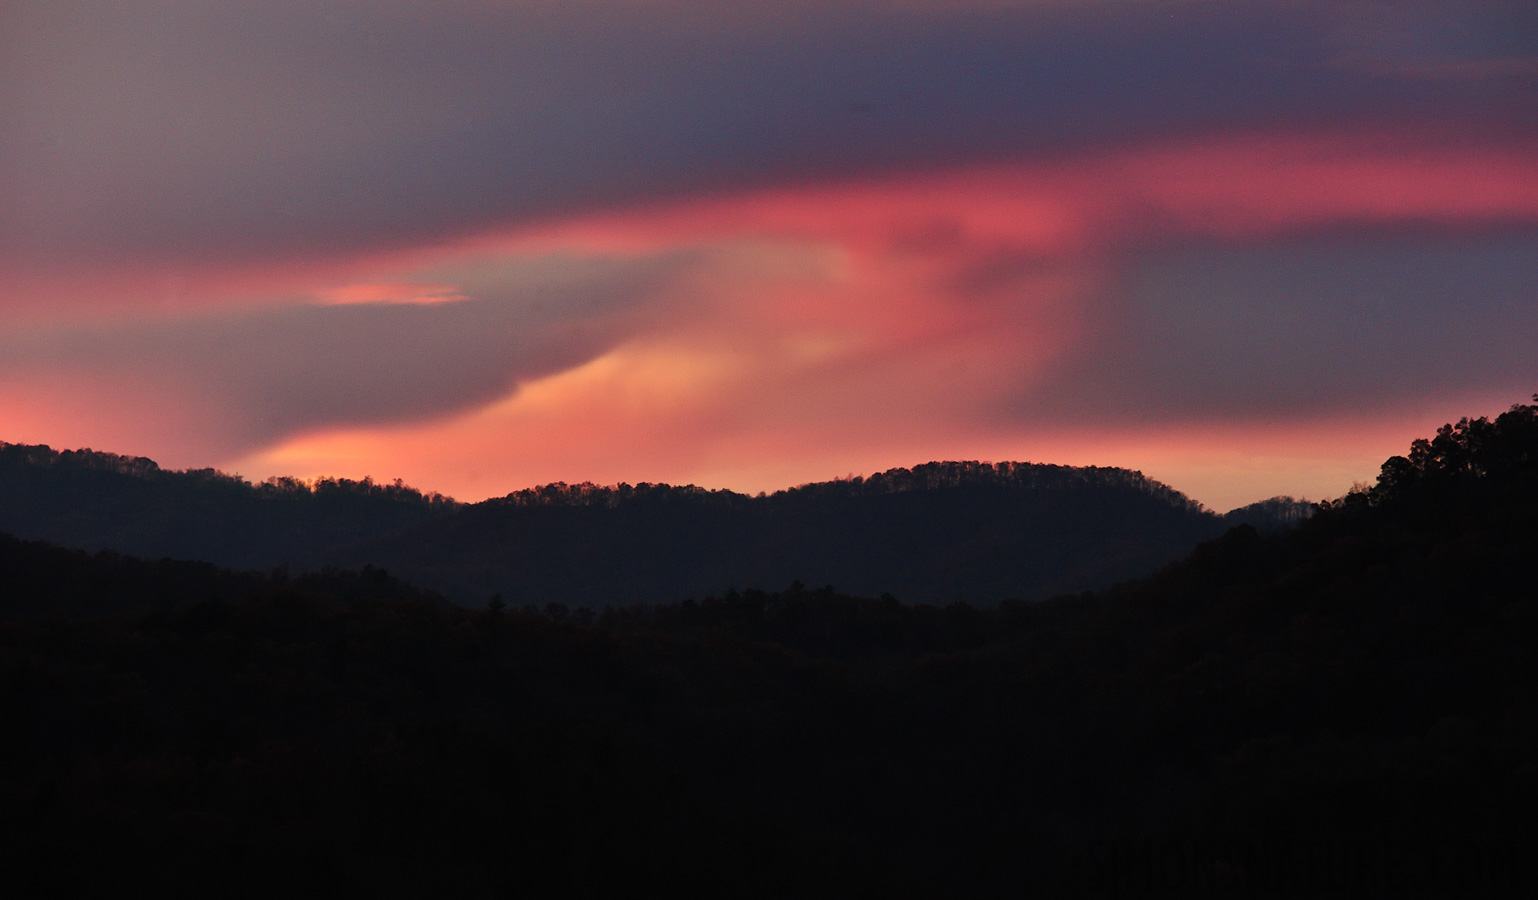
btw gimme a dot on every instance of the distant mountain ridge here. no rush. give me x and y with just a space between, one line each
103 501
928 476
939 532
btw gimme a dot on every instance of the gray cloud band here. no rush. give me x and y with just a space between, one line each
183 132
1270 333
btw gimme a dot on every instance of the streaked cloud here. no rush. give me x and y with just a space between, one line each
231 382
220 132
486 244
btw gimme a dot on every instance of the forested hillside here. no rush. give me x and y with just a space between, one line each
1346 708
103 501
937 533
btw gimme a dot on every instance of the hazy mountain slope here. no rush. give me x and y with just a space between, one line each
1275 514
939 533
38 579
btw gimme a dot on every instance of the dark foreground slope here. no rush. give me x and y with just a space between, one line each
188 728
1346 709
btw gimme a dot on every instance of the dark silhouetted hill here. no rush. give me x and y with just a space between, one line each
38 579
938 533
102 501
1346 708
1275 514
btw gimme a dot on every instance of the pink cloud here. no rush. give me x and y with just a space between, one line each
848 326
1226 186
391 292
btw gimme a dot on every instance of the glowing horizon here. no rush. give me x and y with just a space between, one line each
1247 251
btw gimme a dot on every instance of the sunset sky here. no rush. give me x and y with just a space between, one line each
1249 248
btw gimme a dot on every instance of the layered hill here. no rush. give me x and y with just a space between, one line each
103 501
938 533
1341 709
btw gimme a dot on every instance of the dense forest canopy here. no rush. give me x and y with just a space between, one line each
1474 456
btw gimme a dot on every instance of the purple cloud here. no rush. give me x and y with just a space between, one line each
176 133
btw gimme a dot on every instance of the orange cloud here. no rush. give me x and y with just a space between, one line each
848 327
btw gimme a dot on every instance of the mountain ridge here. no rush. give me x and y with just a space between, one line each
1341 709
938 532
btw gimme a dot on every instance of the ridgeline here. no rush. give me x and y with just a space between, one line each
942 532
1345 708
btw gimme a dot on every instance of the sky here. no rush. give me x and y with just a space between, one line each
1247 247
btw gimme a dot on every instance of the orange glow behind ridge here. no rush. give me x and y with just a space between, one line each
846 328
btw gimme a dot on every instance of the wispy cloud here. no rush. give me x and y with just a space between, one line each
646 238
232 382
195 134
